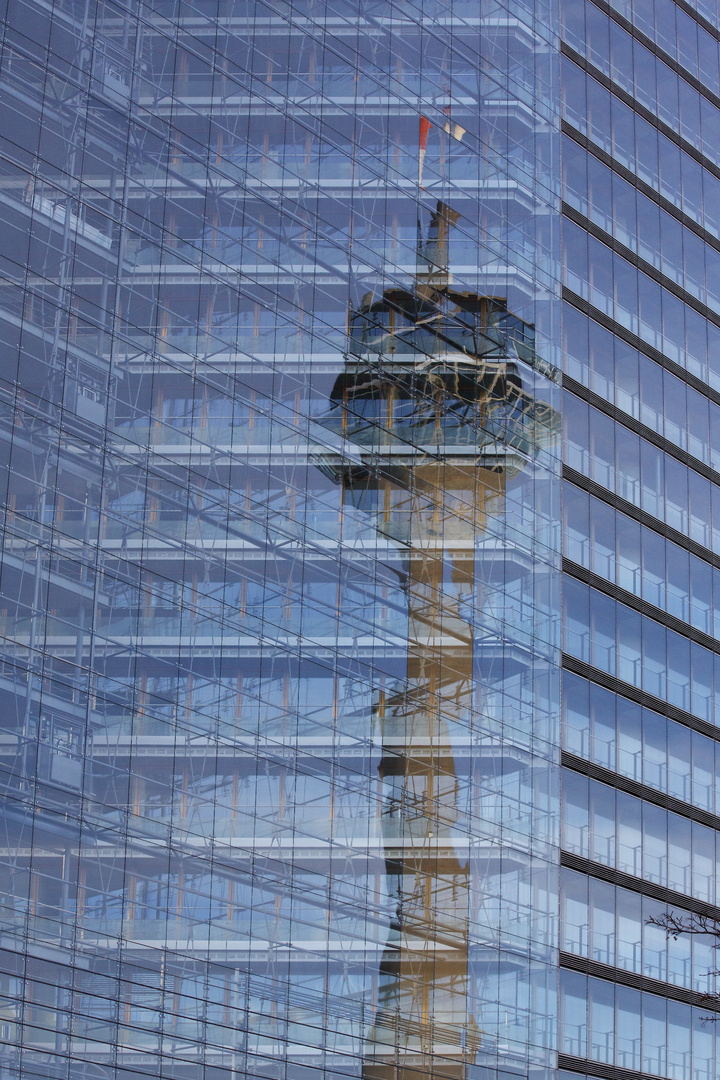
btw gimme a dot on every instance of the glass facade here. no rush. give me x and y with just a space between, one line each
641 513
279 417
359 592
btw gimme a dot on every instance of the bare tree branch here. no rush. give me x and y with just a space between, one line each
676 926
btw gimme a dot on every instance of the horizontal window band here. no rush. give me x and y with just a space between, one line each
645 432
595 581
625 507
640 791
598 316
698 17
640 697
670 897
571 962
597 1069
637 182
658 51
633 259
632 103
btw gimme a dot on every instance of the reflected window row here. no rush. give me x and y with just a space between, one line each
565 1074
640 224
212 1010
622 736
228 1010
641 1032
637 837
640 560
639 146
634 300
651 82
640 472
633 382
612 925
638 650
668 25
708 9
674 30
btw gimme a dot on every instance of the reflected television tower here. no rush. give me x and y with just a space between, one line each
432 400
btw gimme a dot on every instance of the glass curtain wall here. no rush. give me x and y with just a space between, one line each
279 414
641 521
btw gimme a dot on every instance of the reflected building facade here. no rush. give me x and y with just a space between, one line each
285 704
281 551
